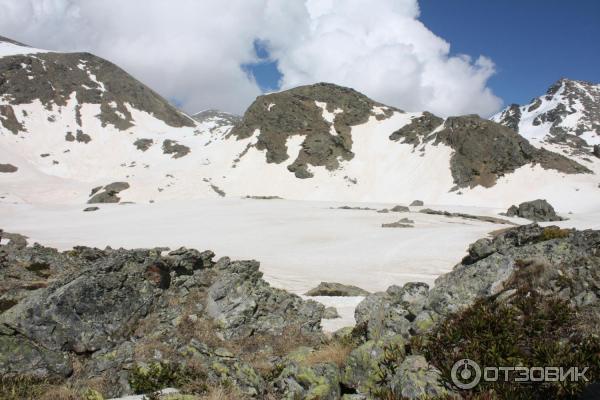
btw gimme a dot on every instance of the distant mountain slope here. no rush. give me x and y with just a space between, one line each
217 118
567 115
76 128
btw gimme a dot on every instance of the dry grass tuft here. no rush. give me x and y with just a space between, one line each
221 393
333 352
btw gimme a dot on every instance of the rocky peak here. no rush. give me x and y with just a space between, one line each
217 116
322 114
569 113
61 79
483 150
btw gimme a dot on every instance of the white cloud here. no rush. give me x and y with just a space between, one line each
192 50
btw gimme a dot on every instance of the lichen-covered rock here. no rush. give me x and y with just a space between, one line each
91 309
491 263
394 311
417 379
362 369
110 310
243 303
186 261
536 210
21 356
317 382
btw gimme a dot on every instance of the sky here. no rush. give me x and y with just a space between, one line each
533 43
450 57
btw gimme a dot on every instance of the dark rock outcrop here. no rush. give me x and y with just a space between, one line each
52 78
536 210
175 149
8 168
293 112
596 151
483 150
511 116
143 144
118 313
108 193
558 255
483 218
577 100
419 128
403 223
336 289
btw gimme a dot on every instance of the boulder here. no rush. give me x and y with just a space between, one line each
596 150
362 368
400 209
394 311
417 379
417 203
336 289
321 381
330 313
244 304
536 210
8 168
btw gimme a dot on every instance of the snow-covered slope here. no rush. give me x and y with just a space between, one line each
71 124
568 114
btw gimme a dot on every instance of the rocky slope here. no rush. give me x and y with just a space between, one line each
110 322
217 118
567 115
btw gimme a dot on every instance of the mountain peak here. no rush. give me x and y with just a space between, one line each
567 115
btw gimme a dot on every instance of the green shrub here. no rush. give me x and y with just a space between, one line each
529 330
160 375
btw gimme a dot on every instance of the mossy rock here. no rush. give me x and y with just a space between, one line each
363 366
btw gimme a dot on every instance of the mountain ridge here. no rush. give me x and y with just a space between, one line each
72 122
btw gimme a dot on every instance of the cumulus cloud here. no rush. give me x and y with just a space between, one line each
192 51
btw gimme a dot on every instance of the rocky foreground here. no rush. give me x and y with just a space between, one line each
93 324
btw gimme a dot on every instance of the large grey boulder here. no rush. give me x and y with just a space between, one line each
94 308
394 311
244 304
536 210
596 150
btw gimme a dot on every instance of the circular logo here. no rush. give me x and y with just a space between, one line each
466 374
